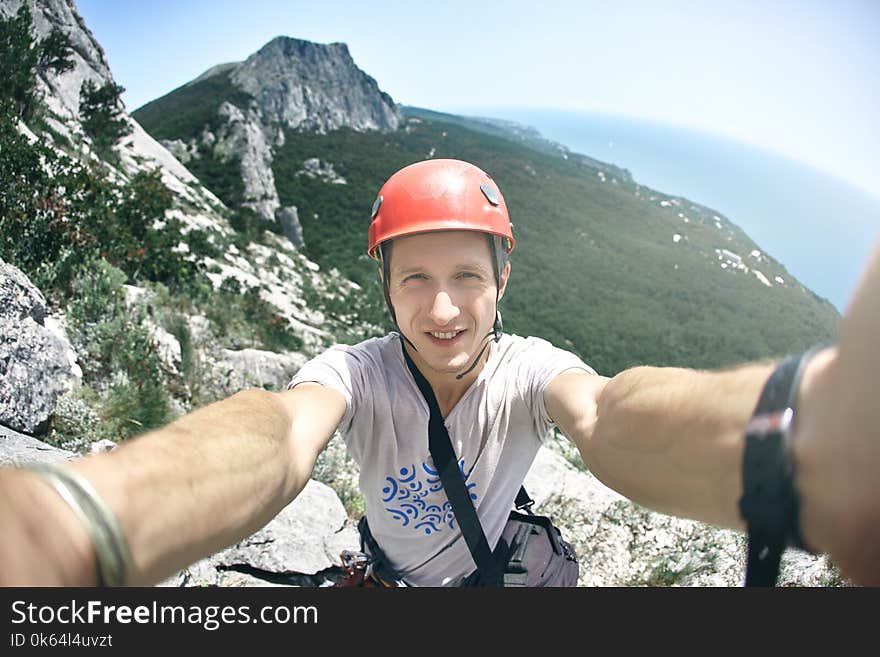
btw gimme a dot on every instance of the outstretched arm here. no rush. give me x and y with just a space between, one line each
673 439
179 493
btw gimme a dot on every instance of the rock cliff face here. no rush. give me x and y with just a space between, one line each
61 95
246 134
62 92
310 86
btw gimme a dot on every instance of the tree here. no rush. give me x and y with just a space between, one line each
102 116
22 59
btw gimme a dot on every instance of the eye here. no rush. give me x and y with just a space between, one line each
415 277
468 274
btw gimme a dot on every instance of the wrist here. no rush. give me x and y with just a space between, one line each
44 544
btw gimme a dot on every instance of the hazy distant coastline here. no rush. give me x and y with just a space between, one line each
820 227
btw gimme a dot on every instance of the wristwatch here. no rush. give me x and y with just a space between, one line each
769 503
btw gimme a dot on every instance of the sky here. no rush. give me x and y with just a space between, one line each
799 78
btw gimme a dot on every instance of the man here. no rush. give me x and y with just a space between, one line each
441 233
669 438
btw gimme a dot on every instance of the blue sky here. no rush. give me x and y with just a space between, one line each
801 78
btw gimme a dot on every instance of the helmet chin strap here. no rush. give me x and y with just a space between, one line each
495 333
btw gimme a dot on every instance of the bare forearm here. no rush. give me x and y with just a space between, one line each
199 484
672 439
836 444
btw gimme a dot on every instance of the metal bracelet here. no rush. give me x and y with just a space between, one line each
111 549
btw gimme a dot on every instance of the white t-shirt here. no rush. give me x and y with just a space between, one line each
496 429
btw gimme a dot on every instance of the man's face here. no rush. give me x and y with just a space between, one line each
442 288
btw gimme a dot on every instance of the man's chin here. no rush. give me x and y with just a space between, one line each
448 365
455 366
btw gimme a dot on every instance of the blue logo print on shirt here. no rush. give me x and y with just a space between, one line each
405 498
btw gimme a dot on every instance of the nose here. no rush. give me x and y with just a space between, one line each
443 310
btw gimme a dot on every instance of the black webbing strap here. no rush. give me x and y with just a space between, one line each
453 483
381 568
769 503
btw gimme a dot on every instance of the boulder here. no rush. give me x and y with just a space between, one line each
235 370
299 547
19 298
288 218
318 169
306 537
18 449
34 365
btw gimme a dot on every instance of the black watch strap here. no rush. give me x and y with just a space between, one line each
769 504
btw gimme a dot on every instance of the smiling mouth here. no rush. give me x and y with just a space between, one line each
451 335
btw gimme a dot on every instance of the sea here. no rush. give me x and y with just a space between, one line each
821 228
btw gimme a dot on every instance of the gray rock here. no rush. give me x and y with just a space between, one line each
19 298
311 86
551 475
254 368
321 170
301 543
18 449
244 136
184 152
36 367
55 324
33 374
167 347
289 219
301 539
102 446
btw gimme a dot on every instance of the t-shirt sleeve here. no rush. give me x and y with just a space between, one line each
544 362
337 368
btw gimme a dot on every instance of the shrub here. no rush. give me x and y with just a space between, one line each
102 115
117 353
242 319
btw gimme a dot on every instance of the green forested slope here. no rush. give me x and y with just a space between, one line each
595 270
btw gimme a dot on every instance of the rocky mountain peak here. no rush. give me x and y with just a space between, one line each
287 85
313 86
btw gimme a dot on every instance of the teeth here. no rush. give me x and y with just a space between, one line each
445 336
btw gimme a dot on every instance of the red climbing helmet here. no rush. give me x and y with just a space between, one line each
439 195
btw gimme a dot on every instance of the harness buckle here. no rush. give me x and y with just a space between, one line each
354 562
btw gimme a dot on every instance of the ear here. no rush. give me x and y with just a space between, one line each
505 275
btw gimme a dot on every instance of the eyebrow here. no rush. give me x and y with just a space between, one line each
403 271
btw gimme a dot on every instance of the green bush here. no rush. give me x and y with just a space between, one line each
251 227
116 353
102 115
76 422
97 317
241 319
131 408
56 214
